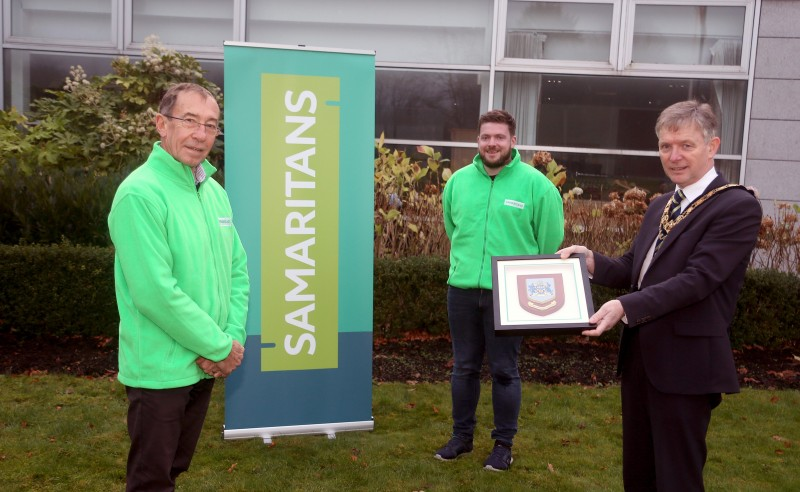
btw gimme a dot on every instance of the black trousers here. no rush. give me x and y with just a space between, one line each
663 435
164 427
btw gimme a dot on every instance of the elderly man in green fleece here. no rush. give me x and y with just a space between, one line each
182 289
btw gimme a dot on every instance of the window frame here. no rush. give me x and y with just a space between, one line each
507 63
203 51
64 44
719 71
621 44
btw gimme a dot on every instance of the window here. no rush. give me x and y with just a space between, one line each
587 80
565 31
412 31
197 23
427 104
675 35
30 73
81 22
603 112
688 35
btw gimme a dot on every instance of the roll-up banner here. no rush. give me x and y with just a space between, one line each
299 151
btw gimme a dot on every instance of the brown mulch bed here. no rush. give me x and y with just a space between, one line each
419 358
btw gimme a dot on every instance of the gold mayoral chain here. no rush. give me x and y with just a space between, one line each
667 224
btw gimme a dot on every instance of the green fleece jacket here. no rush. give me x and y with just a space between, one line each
180 273
519 212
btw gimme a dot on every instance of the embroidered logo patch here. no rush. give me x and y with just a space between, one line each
225 222
513 203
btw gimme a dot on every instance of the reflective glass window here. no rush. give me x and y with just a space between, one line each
611 112
558 31
184 22
76 20
597 175
688 34
427 105
418 31
28 74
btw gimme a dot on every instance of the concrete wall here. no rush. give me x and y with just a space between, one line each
773 153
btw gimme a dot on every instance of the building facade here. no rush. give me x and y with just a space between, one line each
585 79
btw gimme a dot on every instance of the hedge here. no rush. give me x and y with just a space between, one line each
69 290
57 290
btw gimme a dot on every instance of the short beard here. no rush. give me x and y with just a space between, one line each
502 161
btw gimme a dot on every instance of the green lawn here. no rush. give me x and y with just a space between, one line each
66 433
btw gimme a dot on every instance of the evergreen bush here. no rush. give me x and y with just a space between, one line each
69 290
57 290
768 309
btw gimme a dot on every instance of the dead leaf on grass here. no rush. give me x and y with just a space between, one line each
551 468
231 468
787 374
786 442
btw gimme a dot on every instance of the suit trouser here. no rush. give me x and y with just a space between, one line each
164 427
663 435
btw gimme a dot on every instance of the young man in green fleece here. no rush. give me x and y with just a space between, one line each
182 289
496 206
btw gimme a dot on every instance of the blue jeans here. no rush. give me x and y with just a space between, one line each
471 317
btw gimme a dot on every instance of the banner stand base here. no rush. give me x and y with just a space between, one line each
267 433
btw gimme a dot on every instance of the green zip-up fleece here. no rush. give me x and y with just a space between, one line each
520 212
180 273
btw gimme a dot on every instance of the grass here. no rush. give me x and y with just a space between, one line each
65 433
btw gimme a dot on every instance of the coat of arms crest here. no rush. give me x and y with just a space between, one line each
541 294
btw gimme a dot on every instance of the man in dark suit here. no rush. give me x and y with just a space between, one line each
684 271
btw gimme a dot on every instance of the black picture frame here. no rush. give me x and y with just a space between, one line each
541 295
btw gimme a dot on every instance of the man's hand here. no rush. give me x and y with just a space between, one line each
569 250
224 367
233 360
208 366
606 317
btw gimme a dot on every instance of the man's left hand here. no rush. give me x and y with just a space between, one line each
606 317
209 367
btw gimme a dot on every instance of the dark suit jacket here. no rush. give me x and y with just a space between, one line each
687 298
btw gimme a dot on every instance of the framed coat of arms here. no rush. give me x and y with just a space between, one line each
541 295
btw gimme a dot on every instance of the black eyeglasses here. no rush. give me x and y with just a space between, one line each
193 124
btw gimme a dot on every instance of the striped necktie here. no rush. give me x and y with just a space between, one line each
674 212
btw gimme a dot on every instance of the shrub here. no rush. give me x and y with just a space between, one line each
100 122
768 309
608 228
61 165
408 205
66 289
57 290
410 294
778 245
50 206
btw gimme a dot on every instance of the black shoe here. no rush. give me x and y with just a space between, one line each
454 448
500 459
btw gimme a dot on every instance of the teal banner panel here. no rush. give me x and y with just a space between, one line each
299 150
